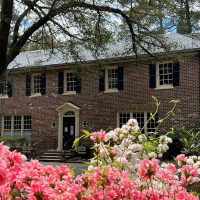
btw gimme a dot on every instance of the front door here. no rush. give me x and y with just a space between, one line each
68 132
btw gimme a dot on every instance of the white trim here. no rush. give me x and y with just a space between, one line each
65 92
3 96
61 112
12 125
107 90
32 85
167 86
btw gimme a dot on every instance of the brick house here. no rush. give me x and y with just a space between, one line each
50 101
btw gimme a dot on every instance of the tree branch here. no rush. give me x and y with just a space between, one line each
6 17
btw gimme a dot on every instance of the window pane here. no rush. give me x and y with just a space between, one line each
17 123
70 81
112 78
152 124
166 74
7 122
27 122
123 118
140 118
36 84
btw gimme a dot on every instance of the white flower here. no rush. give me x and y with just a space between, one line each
190 161
90 167
160 155
169 140
24 157
165 147
141 138
193 158
152 155
132 122
136 147
112 135
135 128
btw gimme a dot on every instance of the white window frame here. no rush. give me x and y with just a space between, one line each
107 89
166 86
65 83
4 95
12 130
33 84
131 117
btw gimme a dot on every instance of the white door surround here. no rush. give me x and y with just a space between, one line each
61 113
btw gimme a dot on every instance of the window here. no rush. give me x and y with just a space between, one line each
111 79
35 84
69 83
141 117
164 75
5 89
16 125
7 123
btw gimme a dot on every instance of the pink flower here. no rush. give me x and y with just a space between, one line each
99 136
3 177
181 159
147 168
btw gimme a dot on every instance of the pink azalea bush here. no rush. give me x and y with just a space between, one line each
22 180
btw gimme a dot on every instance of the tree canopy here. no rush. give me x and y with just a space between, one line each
46 24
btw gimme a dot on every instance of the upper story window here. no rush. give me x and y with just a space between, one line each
35 84
18 125
111 79
164 75
5 89
141 117
69 82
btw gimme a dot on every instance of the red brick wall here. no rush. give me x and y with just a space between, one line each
100 109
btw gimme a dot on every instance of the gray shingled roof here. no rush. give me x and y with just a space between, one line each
114 50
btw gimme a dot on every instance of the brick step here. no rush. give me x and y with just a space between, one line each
56 156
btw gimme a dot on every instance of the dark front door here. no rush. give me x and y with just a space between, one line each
68 132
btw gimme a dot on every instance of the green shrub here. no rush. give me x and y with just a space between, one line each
190 139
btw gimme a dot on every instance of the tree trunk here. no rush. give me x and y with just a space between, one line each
188 17
6 17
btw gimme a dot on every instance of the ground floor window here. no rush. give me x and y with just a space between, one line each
18 125
141 117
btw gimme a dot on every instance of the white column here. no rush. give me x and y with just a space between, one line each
60 132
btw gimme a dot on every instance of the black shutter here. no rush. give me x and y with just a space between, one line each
1 86
120 78
78 84
60 82
43 84
28 85
152 75
9 89
102 81
176 74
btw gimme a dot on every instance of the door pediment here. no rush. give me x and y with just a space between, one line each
67 107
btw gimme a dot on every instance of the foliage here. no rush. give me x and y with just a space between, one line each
70 24
190 140
125 147
14 141
20 180
125 166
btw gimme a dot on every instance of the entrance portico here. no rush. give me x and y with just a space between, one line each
66 130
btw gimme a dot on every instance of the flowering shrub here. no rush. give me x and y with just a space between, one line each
124 167
21 180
